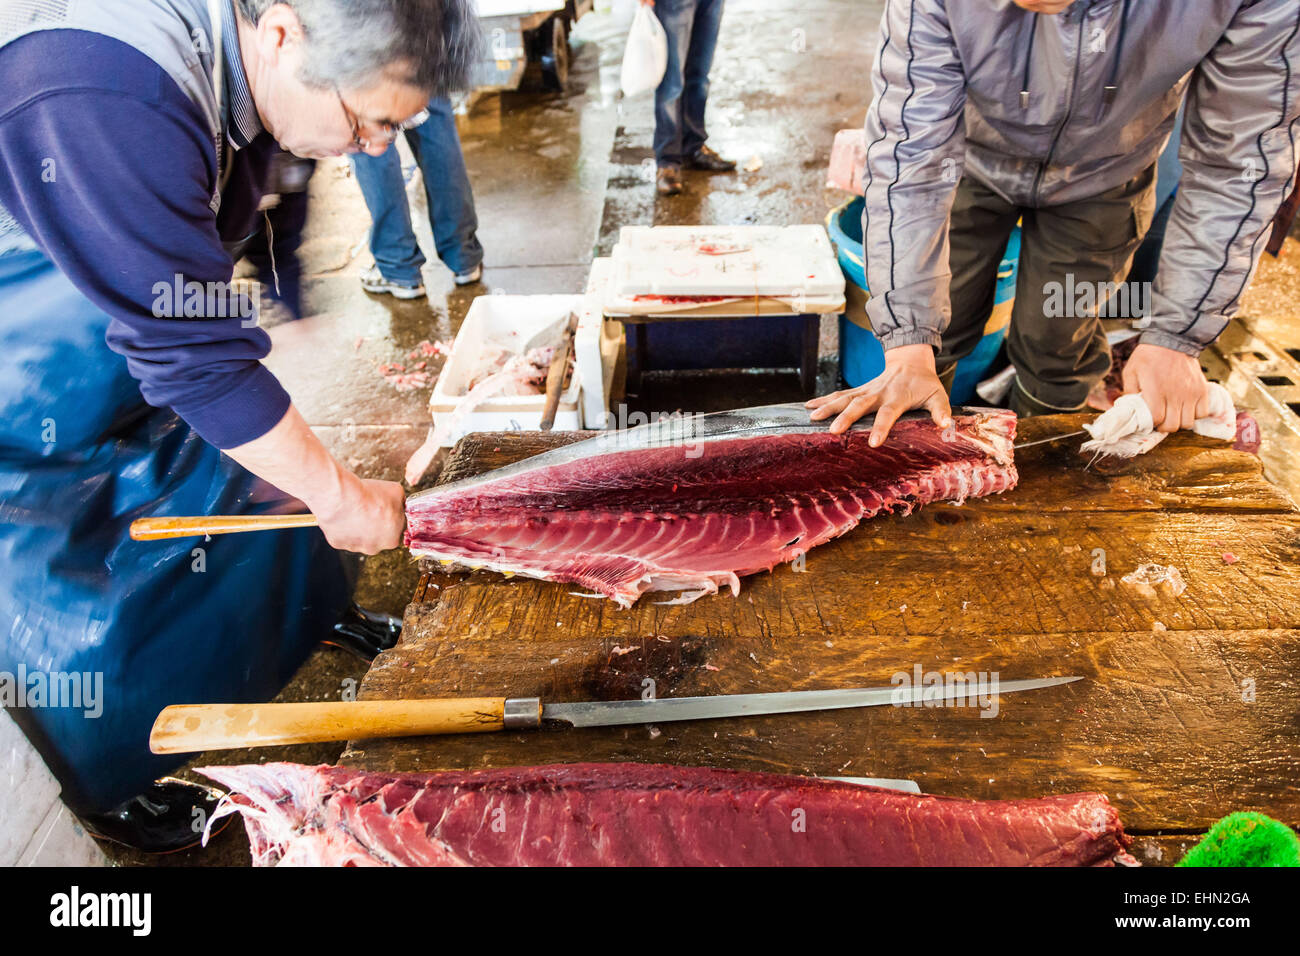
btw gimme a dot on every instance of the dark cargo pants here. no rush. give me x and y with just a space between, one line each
1056 340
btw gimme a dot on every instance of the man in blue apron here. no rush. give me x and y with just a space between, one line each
135 137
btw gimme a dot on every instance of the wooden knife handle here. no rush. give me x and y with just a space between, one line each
154 529
554 385
555 375
190 728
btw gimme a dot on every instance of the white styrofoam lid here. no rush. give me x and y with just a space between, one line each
767 261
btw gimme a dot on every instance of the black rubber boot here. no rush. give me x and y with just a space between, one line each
168 817
365 633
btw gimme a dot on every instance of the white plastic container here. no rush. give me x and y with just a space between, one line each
508 322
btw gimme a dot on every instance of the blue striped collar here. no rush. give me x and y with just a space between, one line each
243 125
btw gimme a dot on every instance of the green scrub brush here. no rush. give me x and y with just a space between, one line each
1246 839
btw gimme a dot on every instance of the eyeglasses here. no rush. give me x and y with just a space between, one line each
389 130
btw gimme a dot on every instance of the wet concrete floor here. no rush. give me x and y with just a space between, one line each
555 177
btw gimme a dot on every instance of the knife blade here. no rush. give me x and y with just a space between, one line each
884 783
1044 441
612 713
189 728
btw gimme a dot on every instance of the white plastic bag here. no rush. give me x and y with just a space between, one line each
646 58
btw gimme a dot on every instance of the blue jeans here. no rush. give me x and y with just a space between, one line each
692 28
436 147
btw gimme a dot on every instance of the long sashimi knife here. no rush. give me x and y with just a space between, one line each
190 728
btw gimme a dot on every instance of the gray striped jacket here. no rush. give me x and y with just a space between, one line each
1051 109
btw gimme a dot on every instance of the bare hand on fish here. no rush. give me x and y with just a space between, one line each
908 381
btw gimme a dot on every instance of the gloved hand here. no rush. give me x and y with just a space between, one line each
1172 383
1129 428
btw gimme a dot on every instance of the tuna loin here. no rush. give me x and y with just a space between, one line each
696 503
646 815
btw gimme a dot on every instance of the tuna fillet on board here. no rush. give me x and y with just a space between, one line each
691 504
646 815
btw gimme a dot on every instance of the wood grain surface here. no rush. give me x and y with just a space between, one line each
1189 709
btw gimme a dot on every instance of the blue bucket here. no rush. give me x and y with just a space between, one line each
862 358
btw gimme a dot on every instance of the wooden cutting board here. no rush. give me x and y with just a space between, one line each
1189 709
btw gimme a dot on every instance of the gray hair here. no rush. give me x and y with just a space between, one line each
429 44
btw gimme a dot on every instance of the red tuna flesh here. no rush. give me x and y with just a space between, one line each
700 516
646 815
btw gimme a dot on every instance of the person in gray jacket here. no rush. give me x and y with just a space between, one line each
1055 111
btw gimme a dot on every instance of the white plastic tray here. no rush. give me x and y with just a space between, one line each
507 321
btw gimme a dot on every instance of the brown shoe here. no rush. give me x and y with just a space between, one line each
669 181
709 161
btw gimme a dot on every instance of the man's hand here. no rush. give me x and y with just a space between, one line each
908 381
367 516
1172 384
356 514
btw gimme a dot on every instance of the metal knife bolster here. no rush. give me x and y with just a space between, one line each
522 713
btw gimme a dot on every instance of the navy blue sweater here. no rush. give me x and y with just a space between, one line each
110 168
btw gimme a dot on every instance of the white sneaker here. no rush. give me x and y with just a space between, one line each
372 280
469 278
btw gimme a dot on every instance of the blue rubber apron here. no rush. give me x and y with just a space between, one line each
165 622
